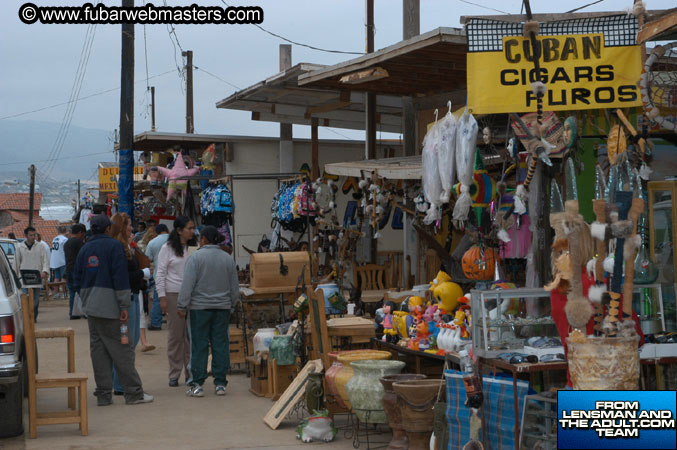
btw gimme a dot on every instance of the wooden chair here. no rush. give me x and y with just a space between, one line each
371 277
49 380
319 334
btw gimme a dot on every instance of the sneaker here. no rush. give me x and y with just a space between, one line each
173 382
152 328
220 390
147 348
104 400
195 391
147 398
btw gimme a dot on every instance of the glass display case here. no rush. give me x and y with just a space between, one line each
662 223
504 319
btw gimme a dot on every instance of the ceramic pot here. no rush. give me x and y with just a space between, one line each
328 290
392 409
346 372
604 364
281 349
366 392
262 339
330 378
416 399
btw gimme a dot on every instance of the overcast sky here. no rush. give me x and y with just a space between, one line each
39 61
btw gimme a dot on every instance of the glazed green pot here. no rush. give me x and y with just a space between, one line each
281 349
365 391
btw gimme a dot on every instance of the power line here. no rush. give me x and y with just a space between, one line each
298 43
80 98
339 134
584 6
482 6
59 159
218 78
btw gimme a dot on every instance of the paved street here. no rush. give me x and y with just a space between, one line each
172 421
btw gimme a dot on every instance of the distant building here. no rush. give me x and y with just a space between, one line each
14 211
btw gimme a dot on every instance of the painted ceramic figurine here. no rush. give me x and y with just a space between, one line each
317 427
389 331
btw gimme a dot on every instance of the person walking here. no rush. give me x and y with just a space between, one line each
210 290
71 249
57 258
102 280
31 255
152 252
121 230
170 266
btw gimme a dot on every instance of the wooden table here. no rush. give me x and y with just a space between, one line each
657 362
373 296
418 355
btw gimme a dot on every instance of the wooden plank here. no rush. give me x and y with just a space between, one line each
49 333
656 27
292 395
58 414
519 18
318 320
57 420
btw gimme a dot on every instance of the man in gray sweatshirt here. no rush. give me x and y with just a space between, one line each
209 290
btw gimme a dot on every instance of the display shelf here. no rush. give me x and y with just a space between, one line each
498 322
541 425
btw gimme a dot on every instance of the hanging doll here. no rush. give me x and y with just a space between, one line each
175 174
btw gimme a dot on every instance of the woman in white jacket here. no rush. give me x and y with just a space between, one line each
171 262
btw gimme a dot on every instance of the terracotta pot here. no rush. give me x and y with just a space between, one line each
366 392
346 372
416 399
330 378
604 364
392 409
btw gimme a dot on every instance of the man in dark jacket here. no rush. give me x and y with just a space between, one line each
100 277
71 250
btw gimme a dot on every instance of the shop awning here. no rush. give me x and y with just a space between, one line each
424 65
407 168
280 99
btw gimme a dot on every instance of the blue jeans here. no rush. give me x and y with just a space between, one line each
133 324
71 293
156 311
36 300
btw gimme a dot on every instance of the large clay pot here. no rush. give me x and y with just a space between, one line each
416 399
392 409
346 372
604 364
330 379
366 392
281 349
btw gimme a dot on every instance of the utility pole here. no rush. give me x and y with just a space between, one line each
31 198
190 120
152 108
126 180
411 26
370 98
78 203
286 130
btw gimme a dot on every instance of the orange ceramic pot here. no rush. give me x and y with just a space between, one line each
346 372
330 378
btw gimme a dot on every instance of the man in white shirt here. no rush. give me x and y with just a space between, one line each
31 255
57 258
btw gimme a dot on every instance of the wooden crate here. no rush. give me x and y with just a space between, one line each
258 374
236 341
265 270
279 378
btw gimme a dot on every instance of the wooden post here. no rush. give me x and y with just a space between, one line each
190 119
286 136
411 15
31 196
152 108
315 174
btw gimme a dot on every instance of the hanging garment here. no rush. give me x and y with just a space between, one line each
447 156
466 140
432 185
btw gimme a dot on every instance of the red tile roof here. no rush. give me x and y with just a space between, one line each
19 202
46 229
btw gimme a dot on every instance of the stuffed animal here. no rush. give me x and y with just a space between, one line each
319 426
175 173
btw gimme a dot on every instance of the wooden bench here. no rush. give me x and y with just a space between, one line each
51 380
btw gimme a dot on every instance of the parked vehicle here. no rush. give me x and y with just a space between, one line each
13 375
9 246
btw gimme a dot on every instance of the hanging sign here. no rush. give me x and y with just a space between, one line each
581 71
108 177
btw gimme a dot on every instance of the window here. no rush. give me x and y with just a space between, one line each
6 276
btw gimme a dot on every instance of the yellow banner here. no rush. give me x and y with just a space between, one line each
579 71
108 177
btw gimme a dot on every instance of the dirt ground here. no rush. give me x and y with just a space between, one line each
172 421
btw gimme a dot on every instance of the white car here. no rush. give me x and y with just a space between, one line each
13 375
9 246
